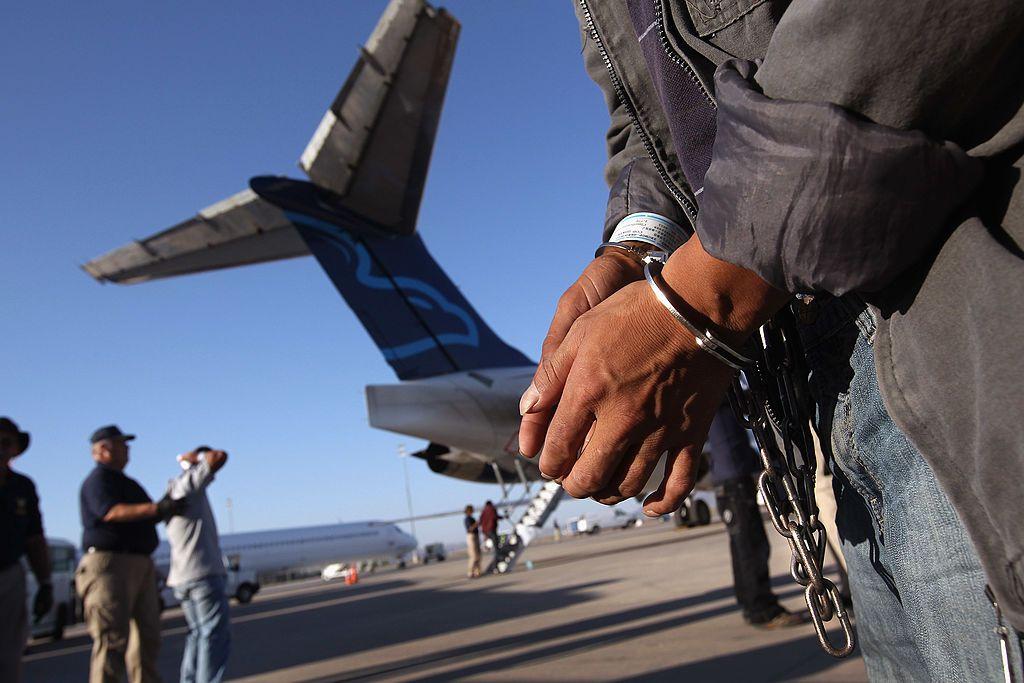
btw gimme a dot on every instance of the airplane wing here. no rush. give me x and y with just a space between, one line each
373 145
239 230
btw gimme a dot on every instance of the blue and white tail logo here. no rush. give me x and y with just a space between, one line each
415 314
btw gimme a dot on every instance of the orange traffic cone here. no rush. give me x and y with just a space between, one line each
352 578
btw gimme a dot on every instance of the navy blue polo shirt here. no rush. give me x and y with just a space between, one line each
19 516
103 489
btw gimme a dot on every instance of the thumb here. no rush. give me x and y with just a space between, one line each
548 382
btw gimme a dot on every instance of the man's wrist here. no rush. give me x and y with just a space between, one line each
632 254
732 300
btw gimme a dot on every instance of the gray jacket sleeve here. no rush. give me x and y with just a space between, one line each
839 162
633 181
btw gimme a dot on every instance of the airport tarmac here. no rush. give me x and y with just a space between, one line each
651 604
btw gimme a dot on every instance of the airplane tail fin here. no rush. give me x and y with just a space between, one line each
370 152
373 145
413 311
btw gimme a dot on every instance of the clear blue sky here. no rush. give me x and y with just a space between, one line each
122 119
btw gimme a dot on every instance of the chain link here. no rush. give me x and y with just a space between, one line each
771 399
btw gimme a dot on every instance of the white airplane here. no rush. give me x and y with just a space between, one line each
459 382
250 556
281 550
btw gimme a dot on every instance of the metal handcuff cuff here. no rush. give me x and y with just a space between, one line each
653 262
766 398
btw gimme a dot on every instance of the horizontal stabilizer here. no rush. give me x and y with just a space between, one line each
373 145
240 230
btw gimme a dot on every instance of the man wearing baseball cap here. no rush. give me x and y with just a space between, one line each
116 577
21 533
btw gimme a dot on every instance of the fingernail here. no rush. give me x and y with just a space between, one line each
529 400
651 513
546 476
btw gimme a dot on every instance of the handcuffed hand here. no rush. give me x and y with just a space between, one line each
628 384
605 275
168 507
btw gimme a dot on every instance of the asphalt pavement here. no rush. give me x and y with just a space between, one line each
652 604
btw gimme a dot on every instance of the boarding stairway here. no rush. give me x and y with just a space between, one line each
512 546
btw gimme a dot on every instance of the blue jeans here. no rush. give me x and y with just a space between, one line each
918 587
208 642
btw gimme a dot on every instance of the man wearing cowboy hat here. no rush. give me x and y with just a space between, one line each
21 531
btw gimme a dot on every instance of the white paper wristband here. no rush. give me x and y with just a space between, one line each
650 228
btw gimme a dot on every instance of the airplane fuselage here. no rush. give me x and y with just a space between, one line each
281 550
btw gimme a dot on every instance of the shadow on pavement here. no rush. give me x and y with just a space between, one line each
778 662
320 632
540 639
605 552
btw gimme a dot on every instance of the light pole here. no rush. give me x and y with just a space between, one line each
408 491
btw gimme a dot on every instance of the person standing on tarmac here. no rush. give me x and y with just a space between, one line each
489 526
734 465
116 578
21 528
197 569
472 543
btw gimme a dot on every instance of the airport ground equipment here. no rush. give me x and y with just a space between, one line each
434 551
511 547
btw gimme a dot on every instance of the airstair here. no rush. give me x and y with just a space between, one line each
513 545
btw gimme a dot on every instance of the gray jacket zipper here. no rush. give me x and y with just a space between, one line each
659 16
645 138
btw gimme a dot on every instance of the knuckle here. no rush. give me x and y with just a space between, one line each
546 374
589 392
630 489
567 299
551 466
588 481
556 449
632 416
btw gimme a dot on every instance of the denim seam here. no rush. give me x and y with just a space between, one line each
853 452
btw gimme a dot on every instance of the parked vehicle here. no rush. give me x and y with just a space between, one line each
337 570
64 560
697 510
242 585
434 551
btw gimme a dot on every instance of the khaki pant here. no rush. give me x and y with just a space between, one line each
473 548
122 612
13 622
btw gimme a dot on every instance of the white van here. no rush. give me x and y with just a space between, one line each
64 560
239 584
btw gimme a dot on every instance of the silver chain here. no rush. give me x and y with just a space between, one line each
771 399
